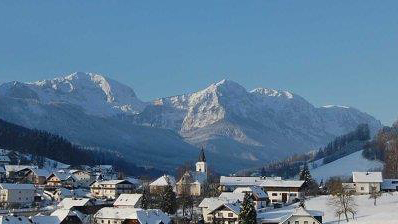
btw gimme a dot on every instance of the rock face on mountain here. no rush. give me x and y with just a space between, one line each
244 127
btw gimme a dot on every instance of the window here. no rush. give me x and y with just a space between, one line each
296 222
305 222
274 194
230 214
362 188
293 194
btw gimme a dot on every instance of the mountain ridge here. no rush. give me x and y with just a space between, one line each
247 126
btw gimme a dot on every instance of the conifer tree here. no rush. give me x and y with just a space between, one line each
145 199
168 202
309 185
247 213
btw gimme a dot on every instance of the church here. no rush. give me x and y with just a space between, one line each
193 182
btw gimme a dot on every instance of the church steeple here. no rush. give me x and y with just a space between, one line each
202 157
201 165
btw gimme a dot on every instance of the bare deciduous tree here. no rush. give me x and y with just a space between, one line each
374 194
343 202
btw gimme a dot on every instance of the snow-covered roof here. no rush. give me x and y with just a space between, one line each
282 183
164 181
5 159
283 214
68 203
16 168
133 180
127 200
10 219
212 203
44 219
113 182
63 213
154 216
367 177
389 184
234 207
41 172
11 186
255 190
232 197
61 175
240 181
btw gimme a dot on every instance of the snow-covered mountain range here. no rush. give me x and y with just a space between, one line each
246 127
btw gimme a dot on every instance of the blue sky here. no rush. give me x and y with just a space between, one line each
340 52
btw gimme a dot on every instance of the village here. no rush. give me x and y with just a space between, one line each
99 194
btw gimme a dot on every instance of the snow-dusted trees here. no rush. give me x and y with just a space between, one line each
374 194
342 201
146 198
391 159
247 213
310 186
168 201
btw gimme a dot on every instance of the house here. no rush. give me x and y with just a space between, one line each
210 204
69 216
35 176
82 178
192 182
365 182
57 179
227 213
12 170
111 188
69 203
130 216
14 219
45 219
389 185
17 194
260 198
161 183
231 183
4 160
61 193
288 215
128 200
283 191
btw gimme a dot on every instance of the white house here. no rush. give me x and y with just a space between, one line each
161 183
130 215
128 200
17 194
290 215
365 182
283 191
227 213
111 188
260 198
389 185
231 183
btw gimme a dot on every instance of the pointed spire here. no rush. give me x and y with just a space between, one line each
202 157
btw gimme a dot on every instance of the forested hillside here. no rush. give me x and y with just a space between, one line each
336 149
45 144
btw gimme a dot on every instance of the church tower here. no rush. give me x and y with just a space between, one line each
201 165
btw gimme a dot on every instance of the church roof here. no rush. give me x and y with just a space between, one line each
202 157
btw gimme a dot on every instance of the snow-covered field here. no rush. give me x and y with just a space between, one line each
345 166
385 212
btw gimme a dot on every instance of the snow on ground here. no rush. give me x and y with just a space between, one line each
385 212
345 166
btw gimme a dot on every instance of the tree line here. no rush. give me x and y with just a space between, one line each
334 150
44 144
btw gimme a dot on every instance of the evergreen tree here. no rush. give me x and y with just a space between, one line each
145 199
247 213
168 202
309 186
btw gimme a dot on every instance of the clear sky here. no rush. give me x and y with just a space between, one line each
342 52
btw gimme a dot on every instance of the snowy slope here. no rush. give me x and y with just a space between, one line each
345 166
385 212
